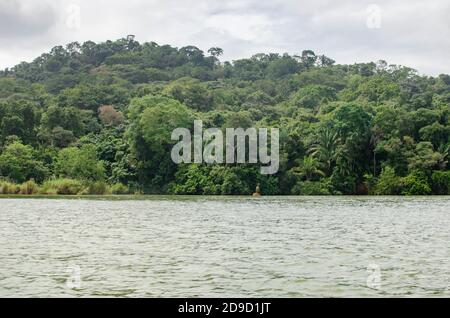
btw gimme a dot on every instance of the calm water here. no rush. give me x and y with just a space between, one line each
219 247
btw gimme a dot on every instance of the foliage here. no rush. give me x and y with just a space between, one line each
108 115
62 186
7 187
97 188
440 181
29 187
79 163
18 163
119 188
388 182
415 183
197 179
308 168
313 188
103 113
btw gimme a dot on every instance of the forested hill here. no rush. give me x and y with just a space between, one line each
94 118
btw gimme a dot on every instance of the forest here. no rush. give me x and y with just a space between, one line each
96 118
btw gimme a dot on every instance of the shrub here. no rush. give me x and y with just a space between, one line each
312 188
98 188
29 187
233 185
62 186
79 163
370 182
18 163
120 188
9 188
219 180
388 182
440 182
346 184
416 183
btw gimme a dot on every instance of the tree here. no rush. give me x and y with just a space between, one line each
194 54
388 182
324 149
18 163
423 157
124 98
76 121
282 67
436 133
191 93
375 89
308 168
313 96
352 125
60 137
324 61
151 142
79 163
215 52
18 118
110 116
441 182
308 58
415 183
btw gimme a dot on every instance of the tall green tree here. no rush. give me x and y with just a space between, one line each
18 162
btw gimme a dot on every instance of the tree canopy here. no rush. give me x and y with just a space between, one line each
104 112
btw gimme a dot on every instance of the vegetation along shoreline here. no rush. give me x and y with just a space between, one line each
96 119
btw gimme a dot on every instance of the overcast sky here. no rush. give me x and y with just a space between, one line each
413 33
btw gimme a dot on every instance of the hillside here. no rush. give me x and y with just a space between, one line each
94 118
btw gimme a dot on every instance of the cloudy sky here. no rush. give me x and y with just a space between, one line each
414 33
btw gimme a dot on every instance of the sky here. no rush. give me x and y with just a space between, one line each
412 33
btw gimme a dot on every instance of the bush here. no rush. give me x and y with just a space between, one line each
29 187
388 182
97 188
218 180
440 182
62 186
312 188
233 185
79 163
370 182
346 184
120 188
416 183
9 188
18 163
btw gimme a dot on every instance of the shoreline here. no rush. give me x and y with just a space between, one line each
138 197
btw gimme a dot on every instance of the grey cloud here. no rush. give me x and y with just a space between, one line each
414 33
23 19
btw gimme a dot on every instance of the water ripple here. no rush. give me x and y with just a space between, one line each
225 247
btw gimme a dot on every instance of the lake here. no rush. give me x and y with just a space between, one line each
225 247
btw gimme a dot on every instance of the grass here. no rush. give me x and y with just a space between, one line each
56 187
9 188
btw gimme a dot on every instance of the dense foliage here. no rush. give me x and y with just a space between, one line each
89 116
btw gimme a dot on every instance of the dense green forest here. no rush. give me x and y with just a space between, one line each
96 118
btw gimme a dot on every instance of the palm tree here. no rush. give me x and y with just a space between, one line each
325 148
308 168
344 161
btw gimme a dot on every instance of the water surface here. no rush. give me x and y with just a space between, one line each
225 247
